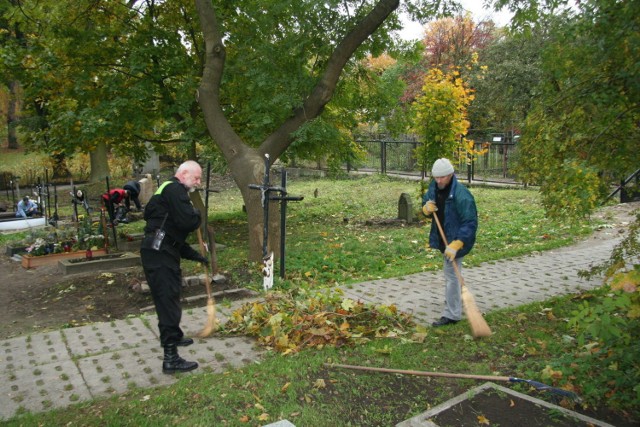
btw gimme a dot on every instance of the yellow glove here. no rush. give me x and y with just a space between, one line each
429 207
453 248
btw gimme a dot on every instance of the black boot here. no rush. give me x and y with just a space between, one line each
184 341
173 363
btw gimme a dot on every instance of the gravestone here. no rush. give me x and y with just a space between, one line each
151 165
405 208
147 188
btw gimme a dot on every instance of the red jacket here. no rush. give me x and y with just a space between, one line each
114 196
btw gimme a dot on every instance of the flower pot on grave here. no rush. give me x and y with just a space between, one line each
29 261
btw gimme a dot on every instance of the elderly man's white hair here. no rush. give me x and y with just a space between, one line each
189 165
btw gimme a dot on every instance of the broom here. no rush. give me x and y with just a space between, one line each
479 327
212 322
537 385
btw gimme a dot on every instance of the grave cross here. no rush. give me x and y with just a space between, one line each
267 194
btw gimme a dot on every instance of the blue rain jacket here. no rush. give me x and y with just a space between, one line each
460 217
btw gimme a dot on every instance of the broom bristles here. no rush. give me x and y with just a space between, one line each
479 327
212 323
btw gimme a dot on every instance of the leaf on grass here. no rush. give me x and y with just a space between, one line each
419 337
384 350
319 383
548 372
244 419
285 387
263 417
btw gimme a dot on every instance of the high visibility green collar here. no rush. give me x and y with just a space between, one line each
159 190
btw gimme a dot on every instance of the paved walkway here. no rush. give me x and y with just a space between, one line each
47 370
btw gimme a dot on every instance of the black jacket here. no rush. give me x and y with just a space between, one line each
172 199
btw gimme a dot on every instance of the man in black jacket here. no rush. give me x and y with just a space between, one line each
133 187
171 211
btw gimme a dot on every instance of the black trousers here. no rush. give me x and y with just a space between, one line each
164 276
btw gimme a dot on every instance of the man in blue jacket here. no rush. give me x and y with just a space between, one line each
456 210
26 208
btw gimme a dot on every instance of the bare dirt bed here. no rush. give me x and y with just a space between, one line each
42 298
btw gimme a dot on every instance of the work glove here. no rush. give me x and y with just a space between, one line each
429 207
201 259
453 248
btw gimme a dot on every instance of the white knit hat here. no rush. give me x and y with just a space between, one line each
441 167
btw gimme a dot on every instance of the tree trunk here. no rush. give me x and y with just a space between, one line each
60 168
99 164
12 115
251 171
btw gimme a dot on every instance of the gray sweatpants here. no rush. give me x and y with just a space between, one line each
453 301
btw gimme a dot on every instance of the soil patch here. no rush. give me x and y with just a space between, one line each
495 408
42 298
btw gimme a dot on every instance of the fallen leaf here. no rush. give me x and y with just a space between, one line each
483 420
263 417
319 383
244 419
285 387
512 403
347 304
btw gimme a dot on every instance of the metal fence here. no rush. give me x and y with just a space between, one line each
498 163
384 154
397 155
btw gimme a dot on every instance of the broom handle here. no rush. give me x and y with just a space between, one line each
203 251
420 373
444 239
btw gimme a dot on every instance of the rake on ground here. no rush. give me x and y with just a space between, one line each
535 384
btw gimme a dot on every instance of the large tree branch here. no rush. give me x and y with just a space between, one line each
208 94
311 108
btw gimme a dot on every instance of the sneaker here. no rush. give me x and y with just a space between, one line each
444 321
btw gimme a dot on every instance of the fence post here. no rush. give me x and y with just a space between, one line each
383 157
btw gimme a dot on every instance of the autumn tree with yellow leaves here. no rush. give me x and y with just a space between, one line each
441 116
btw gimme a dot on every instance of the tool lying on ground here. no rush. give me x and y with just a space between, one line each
535 384
479 327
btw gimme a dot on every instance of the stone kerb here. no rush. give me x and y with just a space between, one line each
100 263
